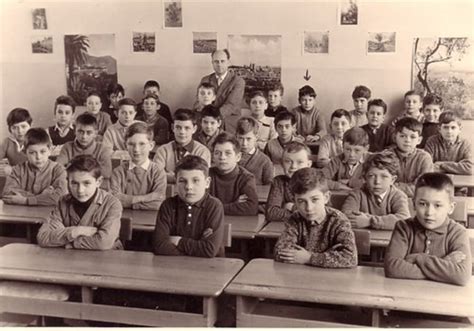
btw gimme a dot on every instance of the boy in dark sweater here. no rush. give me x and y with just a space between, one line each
315 234
209 127
63 131
274 95
232 184
253 159
430 245
432 108
380 134
152 87
191 222
360 97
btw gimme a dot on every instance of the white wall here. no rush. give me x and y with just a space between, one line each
33 81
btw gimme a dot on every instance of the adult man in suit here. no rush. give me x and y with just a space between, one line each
229 89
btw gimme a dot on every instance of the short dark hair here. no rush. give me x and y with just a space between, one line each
338 113
408 123
192 162
85 163
356 136
18 115
361 91
208 86
295 147
152 96
127 102
94 93
115 89
87 119
184 114
276 87
37 136
306 90
139 127
226 137
437 181
432 99
65 100
284 116
378 103
307 179
386 160
211 111
257 93
225 50
448 117
246 125
151 83
412 92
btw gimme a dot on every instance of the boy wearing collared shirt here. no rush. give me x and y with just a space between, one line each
380 134
378 204
413 104
451 153
86 218
114 137
63 131
331 144
150 115
274 95
315 234
360 97
167 156
139 183
152 87
39 181
210 127
430 245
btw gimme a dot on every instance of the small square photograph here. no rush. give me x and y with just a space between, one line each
143 42
172 14
42 44
381 42
348 12
316 42
39 19
204 42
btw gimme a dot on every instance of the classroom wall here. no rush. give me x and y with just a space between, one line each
33 81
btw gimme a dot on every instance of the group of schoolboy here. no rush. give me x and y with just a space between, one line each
215 173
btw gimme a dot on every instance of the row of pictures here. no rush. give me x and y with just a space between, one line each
206 42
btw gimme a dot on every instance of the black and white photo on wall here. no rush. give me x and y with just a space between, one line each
39 19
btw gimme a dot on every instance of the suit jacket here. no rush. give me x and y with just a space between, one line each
228 98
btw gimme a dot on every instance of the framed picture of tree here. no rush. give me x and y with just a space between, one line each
444 66
90 64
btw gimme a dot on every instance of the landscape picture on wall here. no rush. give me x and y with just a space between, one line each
348 12
316 42
42 44
39 19
257 59
204 42
381 42
172 14
143 42
444 66
90 64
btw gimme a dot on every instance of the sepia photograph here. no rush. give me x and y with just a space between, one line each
204 42
143 42
381 42
316 42
348 12
42 44
39 19
173 14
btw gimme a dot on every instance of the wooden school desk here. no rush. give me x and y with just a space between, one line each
141 271
464 181
361 287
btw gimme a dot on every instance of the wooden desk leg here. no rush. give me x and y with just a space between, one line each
376 313
87 294
209 310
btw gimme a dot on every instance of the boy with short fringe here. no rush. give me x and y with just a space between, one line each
139 183
210 126
252 158
232 184
451 153
191 222
281 201
360 97
344 172
274 95
309 121
380 134
114 137
432 108
150 115
413 161
413 103
378 204
39 181
115 93
206 95
315 234
152 87
430 245
331 144
168 155
63 131
93 107
86 218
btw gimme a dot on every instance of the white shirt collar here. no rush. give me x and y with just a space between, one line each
144 166
57 128
18 146
222 77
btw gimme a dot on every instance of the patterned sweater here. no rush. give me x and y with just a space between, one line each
454 158
309 122
331 243
278 196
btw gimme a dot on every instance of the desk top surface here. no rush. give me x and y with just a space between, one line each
118 269
361 286
245 227
24 214
463 180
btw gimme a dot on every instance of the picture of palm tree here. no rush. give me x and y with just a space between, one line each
90 64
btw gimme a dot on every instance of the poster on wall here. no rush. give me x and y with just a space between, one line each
172 14
42 44
90 64
348 13
444 66
316 42
204 42
143 42
39 19
381 42
257 59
